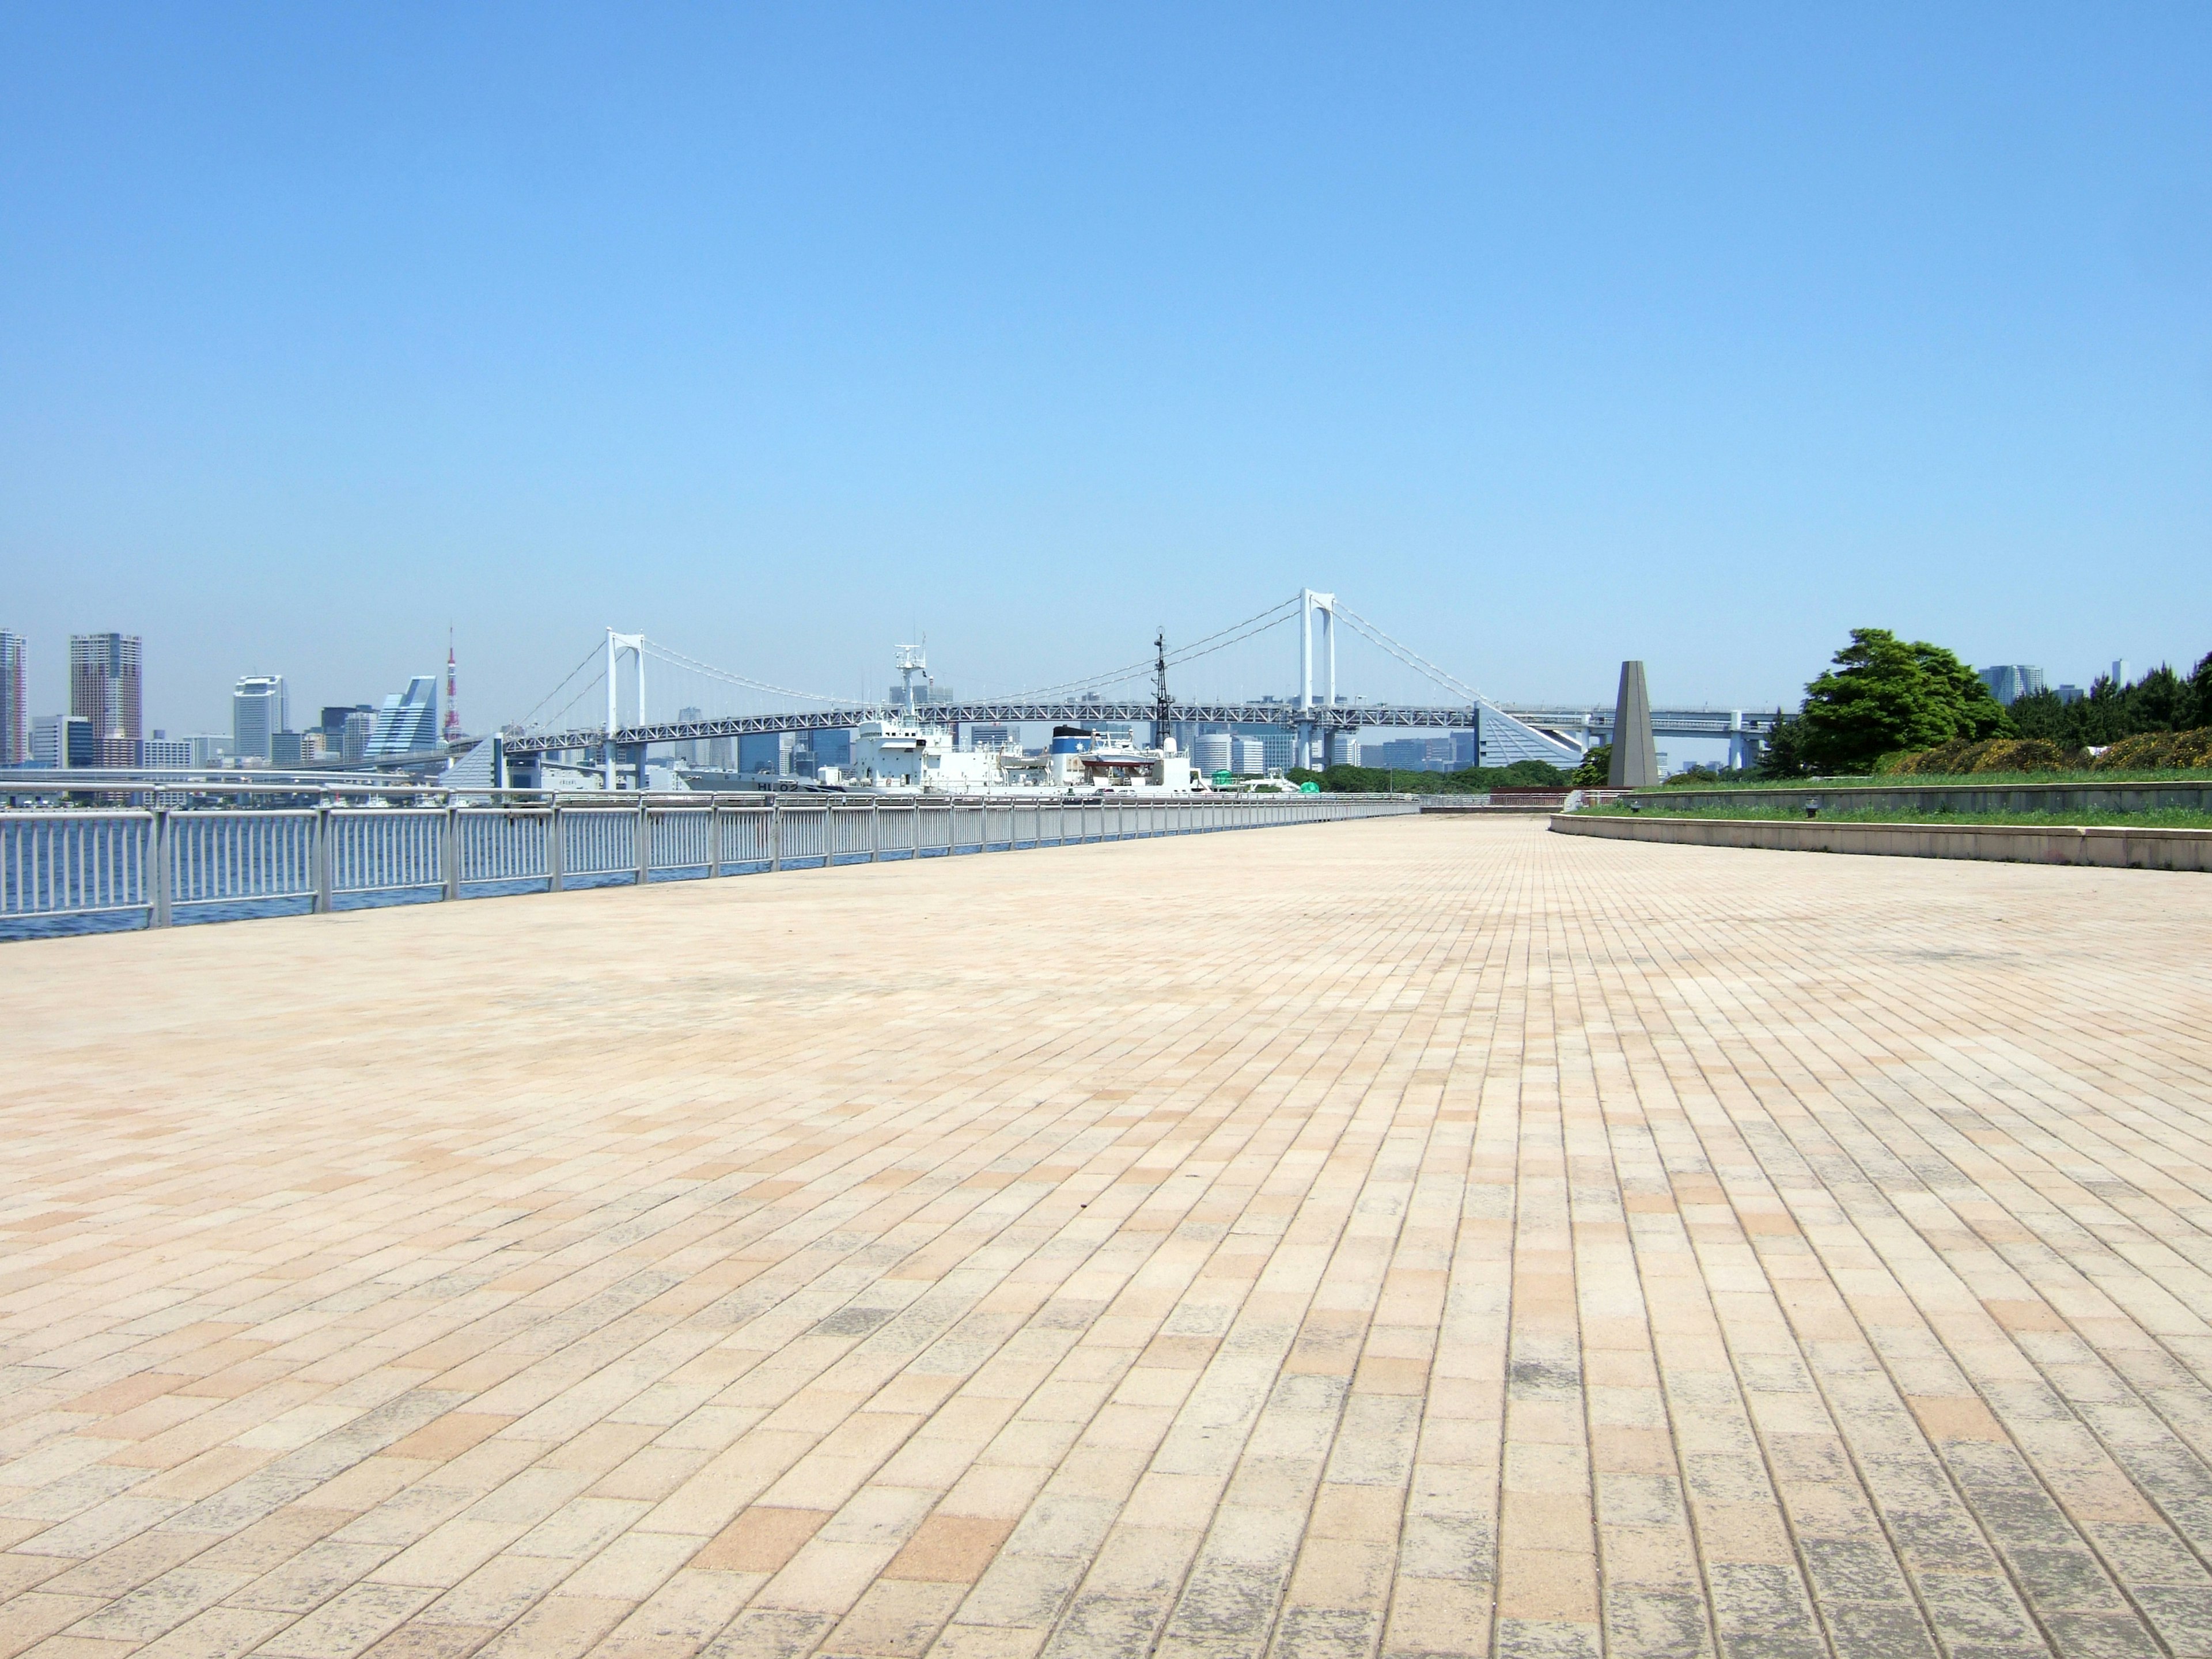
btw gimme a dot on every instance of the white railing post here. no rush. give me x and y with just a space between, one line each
774 833
556 850
641 843
450 855
875 831
157 869
322 856
713 838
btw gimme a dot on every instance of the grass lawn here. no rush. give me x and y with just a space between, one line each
1980 780
2164 817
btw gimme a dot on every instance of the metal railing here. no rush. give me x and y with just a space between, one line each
216 863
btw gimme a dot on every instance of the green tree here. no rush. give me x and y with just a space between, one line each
1591 774
1884 694
1782 755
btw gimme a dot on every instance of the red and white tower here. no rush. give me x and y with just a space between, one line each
452 729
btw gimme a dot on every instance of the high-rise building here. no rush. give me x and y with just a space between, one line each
689 750
2009 682
1417 754
63 741
163 749
768 754
1247 756
105 689
14 717
1278 744
258 711
408 722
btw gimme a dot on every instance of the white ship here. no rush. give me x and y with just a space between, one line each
909 755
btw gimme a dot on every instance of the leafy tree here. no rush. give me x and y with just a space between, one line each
1596 764
1783 754
2161 701
1884 694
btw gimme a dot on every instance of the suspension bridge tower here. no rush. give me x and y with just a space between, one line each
1313 739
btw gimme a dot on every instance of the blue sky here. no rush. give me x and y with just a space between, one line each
1545 335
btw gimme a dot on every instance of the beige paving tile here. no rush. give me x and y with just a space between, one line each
1408 1238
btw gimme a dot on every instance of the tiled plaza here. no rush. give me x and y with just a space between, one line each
1419 1236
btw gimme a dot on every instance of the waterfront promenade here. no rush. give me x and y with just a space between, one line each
1419 1237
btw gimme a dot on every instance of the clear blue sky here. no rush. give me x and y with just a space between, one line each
1545 335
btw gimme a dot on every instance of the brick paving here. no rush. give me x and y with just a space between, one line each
1413 1237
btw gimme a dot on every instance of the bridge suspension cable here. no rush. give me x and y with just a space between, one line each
670 655
1405 654
590 657
1243 630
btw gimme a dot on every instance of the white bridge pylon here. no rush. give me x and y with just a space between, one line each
617 644
1310 737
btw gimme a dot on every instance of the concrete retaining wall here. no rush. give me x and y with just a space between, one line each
2112 845
2074 796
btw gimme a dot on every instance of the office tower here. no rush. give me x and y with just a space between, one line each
63 741
163 749
831 748
688 752
14 718
1344 748
2009 682
767 754
105 689
1417 754
258 711
408 722
354 733
2119 673
288 748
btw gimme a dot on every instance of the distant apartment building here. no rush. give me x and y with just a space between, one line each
1417 754
63 741
15 714
105 689
1277 742
690 750
163 749
2009 682
407 724
258 711
768 754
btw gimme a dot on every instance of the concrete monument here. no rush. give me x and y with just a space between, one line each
1635 756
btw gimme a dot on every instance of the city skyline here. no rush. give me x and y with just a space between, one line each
1551 343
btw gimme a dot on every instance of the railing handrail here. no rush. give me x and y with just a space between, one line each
81 861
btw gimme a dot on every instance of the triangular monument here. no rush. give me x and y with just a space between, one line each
1635 756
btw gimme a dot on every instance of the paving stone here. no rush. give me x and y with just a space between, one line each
1407 1238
